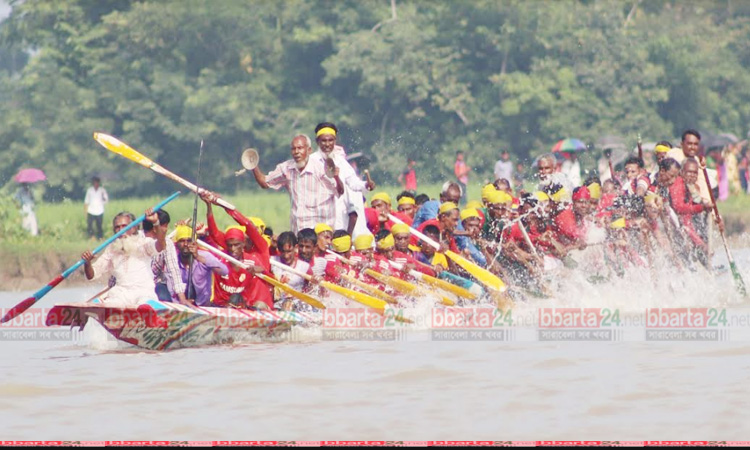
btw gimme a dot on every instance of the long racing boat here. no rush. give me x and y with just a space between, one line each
161 326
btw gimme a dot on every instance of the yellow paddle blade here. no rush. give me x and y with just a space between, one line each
396 283
312 301
117 146
372 302
484 276
404 286
373 290
449 287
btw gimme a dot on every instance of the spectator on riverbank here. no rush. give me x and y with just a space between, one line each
461 170
504 168
96 198
25 199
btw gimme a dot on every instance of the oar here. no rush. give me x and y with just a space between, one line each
437 282
310 300
372 302
396 283
116 146
193 225
26 304
487 278
738 281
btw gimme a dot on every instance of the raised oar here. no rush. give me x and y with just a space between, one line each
487 278
29 302
310 300
193 225
116 146
738 281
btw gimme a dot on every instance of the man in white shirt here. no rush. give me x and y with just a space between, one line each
128 259
96 198
690 148
504 168
350 208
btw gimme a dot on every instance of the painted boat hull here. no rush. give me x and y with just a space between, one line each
167 326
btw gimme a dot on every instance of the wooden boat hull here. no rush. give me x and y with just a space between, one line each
166 326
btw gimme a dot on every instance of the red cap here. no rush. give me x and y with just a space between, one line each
234 233
581 193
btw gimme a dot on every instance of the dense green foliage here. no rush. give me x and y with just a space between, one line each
400 77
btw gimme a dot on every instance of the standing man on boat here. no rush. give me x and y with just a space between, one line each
129 260
164 266
312 188
350 208
93 204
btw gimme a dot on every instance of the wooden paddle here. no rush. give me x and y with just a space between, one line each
358 297
487 278
116 146
310 300
29 302
396 283
738 281
437 282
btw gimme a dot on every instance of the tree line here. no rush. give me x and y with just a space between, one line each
401 78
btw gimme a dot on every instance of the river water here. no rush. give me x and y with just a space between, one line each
417 386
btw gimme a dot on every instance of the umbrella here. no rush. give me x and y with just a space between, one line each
569 146
30 176
718 140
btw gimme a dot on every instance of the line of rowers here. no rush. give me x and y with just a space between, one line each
523 239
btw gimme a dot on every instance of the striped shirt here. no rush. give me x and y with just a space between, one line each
166 269
311 192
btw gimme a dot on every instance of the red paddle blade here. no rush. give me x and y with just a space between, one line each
18 309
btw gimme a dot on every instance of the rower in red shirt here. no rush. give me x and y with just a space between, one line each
260 294
381 203
402 254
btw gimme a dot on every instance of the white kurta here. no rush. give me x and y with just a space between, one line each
135 279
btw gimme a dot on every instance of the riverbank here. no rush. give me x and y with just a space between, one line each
28 263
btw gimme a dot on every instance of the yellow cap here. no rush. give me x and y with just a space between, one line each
267 238
386 243
325 130
650 198
321 227
487 190
342 244
236 227
662 149
595 189
182 232
541 196
363 242
499 197
439 259
617 224
259 224
469 213
382 196
476 204
561 195
400 228
406 201
447 207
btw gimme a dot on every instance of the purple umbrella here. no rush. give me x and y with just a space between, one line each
30 176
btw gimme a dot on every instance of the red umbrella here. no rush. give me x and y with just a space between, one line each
30 176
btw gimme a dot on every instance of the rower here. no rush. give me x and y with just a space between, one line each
166 271
402 254
129 260
407 205
204 266
324 235
256 252
341 244
637 179
287 246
